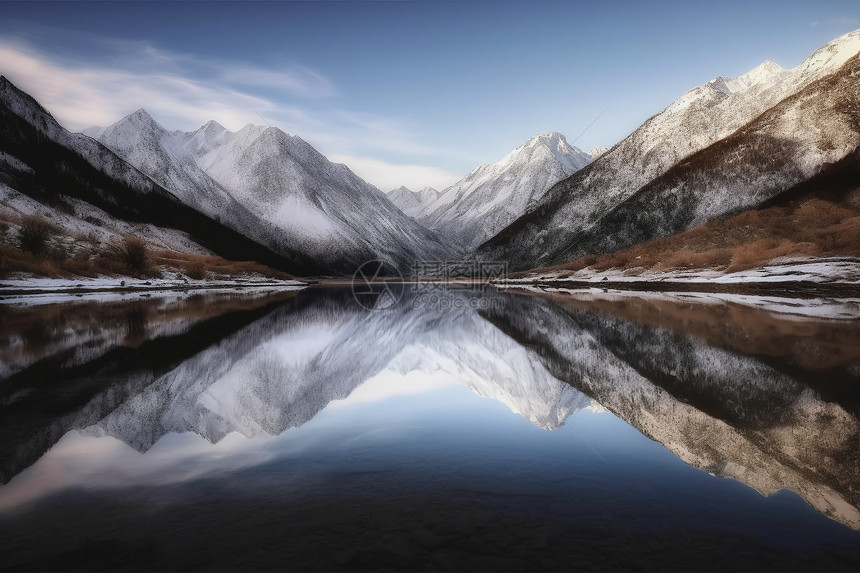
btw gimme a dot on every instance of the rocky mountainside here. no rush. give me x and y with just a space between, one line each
720 148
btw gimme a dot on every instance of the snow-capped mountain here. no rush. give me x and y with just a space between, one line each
597 151
490 197
277 189
142 142
44 166
693 161
412 202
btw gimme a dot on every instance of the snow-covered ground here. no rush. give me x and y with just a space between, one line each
46 291
836 270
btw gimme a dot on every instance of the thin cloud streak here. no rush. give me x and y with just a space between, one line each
297 81
387 176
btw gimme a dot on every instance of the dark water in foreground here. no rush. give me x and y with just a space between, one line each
455 430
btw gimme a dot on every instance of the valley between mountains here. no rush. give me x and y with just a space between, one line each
753 179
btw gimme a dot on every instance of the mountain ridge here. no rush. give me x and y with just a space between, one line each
577 215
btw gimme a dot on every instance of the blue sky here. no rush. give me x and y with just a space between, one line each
414 93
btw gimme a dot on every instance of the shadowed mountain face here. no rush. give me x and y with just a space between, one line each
722 386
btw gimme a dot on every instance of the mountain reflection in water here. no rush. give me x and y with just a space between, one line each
140 433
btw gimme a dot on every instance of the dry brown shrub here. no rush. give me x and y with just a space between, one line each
134 255
819 213
34 233
195 270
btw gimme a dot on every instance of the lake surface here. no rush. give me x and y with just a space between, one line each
430 429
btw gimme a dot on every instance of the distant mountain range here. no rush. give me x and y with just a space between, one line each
727 146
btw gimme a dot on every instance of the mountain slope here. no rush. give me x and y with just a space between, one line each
322 207
687 165
163 156
492 196
53 166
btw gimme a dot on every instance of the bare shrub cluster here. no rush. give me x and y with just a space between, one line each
814 227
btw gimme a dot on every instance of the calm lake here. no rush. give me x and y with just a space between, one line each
430 429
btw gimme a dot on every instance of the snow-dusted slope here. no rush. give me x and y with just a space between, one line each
597 151
276 189
322 208
802 137
141 141
412 202
164 156
490 197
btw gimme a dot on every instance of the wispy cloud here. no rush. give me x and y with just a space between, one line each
840 22
184 92
296 81
83 96
848 21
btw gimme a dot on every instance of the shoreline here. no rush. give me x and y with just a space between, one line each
16 291
789 289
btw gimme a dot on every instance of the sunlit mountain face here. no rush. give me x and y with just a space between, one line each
431 428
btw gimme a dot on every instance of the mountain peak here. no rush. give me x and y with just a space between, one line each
833 54
556 143
212 127
548 138
763 76
597 151
140 120
765 72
